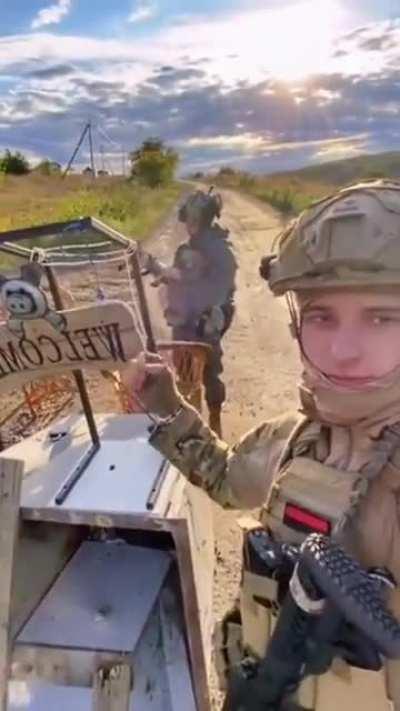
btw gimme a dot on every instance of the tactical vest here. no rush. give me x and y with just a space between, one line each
308 496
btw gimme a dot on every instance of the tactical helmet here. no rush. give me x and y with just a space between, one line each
201 206
349 239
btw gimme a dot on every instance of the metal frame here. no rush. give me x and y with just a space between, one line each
155 521
7 240
179 511
170 506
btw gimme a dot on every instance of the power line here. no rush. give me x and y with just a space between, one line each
107 137
103 133
86 131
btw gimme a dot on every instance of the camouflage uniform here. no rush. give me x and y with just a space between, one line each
353 482
236 477
205 278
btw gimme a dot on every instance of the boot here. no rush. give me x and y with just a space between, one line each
214 419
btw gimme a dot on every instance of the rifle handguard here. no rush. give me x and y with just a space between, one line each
356 593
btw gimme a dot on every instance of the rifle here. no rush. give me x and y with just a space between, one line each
331 605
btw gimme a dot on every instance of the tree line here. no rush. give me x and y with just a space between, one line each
152 164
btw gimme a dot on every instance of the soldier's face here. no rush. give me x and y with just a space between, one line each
193 226
352 336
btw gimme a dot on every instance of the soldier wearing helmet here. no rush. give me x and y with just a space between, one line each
197 291
337 459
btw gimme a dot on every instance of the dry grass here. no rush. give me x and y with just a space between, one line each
288 193
32 200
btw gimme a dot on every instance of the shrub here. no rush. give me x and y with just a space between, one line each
14 163
153 163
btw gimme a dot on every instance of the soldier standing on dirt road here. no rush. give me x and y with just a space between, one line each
197 291
339 265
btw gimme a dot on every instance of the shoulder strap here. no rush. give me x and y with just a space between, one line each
303 433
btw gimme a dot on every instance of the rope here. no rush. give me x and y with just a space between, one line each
101 258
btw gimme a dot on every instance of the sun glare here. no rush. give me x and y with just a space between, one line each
298 39
288 43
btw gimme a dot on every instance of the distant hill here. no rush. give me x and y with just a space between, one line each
339 172
292 191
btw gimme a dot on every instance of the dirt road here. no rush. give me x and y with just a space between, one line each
260 361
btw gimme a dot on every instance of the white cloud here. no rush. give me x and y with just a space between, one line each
251 142
51 15
339 148
143 11
260 41
245 142
147 85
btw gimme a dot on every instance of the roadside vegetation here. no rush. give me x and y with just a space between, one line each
287 194
291 192
134 205
132 208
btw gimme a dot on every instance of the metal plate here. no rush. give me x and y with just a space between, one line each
161 674
101 600
119 478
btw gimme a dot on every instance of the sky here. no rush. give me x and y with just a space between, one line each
260 85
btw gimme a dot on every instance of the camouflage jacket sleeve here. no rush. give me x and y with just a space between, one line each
235 477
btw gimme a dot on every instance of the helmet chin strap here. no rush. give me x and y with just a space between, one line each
295 329
294 326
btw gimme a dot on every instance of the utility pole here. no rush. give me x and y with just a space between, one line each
78 145
102 158
91 151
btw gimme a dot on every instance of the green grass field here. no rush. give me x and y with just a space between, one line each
32 200
130 208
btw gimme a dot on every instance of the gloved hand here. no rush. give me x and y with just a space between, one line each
151 380
149 264
165 275
212 322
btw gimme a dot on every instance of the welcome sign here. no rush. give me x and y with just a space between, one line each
103 336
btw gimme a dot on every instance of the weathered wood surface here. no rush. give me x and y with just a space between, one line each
11 472
175 652
112 689
103 336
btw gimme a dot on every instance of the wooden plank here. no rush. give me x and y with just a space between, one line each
112 688
44 548
11 472
60 666
196 509
103 336
176 658
191 610
104 519
116 236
